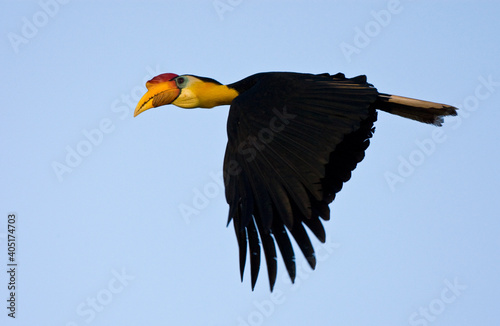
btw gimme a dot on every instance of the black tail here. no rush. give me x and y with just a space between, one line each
423 111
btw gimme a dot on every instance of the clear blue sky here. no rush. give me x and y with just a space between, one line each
103 237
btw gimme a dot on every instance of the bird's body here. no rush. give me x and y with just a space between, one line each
293 140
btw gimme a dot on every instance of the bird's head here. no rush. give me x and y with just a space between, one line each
185 91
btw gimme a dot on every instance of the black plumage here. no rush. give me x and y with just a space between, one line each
293 140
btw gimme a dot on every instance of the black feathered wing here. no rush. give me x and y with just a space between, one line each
293 139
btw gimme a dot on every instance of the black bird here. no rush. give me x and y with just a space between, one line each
293 140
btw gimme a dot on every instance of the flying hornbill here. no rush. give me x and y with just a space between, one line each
293 140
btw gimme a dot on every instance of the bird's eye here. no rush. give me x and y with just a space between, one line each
181 82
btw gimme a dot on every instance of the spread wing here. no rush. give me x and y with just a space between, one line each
293 140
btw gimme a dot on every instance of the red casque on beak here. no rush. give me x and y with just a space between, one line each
162 90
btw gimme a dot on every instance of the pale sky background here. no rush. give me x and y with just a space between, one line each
106 240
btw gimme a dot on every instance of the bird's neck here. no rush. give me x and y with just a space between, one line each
210 95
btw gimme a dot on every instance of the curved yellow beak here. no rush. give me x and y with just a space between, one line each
158 94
